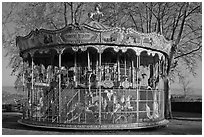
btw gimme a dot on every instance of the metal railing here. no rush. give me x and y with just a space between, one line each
118 106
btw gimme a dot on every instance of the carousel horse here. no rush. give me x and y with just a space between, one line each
108 101
75 112
109 94
118 117
128 104
155 113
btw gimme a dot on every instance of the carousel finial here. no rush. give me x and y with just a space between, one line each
97 14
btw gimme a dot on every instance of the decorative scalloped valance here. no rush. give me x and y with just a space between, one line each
92 34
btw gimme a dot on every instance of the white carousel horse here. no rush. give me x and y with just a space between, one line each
76 111
109 94
97 13
128 104
155 113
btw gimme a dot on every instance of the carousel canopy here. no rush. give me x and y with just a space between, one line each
93 33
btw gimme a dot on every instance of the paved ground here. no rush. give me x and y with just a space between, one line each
175 127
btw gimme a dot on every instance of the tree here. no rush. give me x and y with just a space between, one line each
185 83
184 80
178 21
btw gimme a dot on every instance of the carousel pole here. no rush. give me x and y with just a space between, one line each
75 67
125 66
159 83
133 74
118 66
23 76
60 51
32 87
32 74
89 76
89 67
100 88
59 87
165 62
23 91
137 89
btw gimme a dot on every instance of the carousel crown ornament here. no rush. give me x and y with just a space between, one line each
95 16
92 76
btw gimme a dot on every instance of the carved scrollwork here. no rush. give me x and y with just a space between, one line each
116 48
137 50
60 50
75 49
124 49
83 48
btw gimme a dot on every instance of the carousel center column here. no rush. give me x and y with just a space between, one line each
60 52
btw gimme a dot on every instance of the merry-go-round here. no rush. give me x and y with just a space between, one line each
91 76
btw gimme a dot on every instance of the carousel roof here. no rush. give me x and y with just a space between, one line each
93 33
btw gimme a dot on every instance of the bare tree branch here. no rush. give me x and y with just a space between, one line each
174 46
152 12
189 33
141 22
133 20
5 18
182 25
185 54
77 10
65 14
69 3
53 24
190 12
72 12
190 39
176 21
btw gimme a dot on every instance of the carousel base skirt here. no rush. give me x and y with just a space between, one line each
93 127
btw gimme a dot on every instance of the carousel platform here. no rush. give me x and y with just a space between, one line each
94 127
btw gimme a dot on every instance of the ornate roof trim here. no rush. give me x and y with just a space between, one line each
92 33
